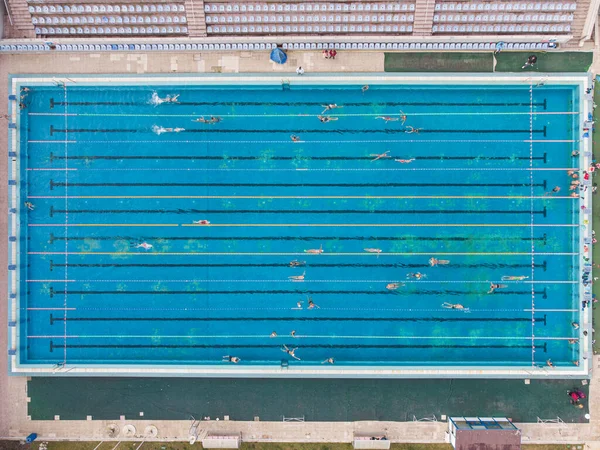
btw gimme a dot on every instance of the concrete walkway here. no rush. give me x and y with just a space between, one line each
13 409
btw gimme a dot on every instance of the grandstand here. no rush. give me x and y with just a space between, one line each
564 22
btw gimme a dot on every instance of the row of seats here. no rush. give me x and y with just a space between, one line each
46 31
501 29
505 6
304 6
262 46
309 29
83 20
473 18
107 8
350 18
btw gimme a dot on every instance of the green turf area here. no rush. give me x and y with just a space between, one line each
14 445
314 399
546 61
484 62
439 62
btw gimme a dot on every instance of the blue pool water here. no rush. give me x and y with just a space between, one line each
102 181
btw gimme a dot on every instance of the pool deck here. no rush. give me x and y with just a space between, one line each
14 422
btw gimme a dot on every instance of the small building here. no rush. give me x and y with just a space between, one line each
483 433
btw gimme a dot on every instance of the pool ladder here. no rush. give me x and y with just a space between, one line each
285 85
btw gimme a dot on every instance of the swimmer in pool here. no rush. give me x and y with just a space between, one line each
295 138
393 286
514 278
555 190
410 130
30 206
387 119
365 88
402 117
293 333
405 161
296 263
233 359
285 349
380 155
417 275
330 107
325 119
201 120
493 287
315 251
298 277
273 334
329 361
373 250
201 222
312 305
452 305
438 262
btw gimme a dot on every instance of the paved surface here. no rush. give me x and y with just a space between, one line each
13 409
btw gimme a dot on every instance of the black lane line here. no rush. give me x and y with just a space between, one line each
285 158
293 292
288 104
293 345
294 238
295 131
292 211
290 319
54 184
308 264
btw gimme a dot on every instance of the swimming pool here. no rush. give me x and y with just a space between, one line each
161 244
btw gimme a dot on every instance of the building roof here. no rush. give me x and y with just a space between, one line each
488 440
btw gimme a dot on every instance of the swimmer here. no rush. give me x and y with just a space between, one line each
365 88
417 275
575 325
201 120
285 349
493 287
22 105
325 119
201 222
296 263
329 361
405 161
169 99
574 153
554 190
30 206
436 262
410 130
233 359
312 305
514 278
330 107
299 305
177 130
402 117
297 277
25 89
393 286
273 334
387 118
452 305
373 250
380 155
295 138
145 246
214 119
573 174
315 251
293 333
549 363
572 341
